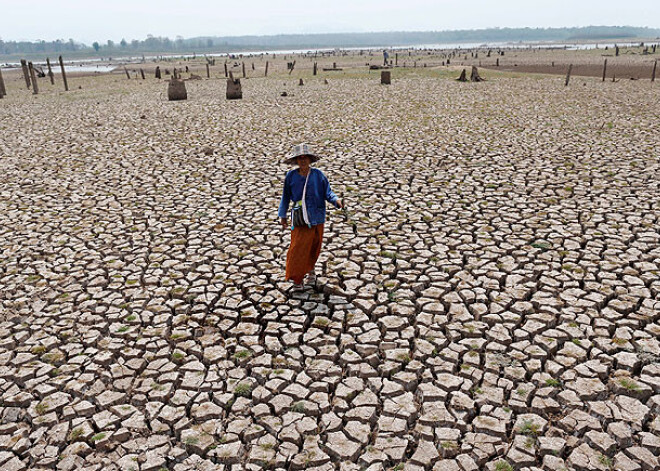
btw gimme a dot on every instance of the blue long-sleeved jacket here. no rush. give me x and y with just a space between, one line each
318 192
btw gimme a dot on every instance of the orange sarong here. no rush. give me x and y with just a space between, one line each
303 252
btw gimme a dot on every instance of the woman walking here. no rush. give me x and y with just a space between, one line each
308 189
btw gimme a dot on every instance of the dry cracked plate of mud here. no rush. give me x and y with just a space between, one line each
498 308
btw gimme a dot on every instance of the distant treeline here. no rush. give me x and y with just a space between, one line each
314 41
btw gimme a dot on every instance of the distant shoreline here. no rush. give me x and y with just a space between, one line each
84 59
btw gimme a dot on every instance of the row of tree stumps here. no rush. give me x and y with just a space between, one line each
30 76
176 90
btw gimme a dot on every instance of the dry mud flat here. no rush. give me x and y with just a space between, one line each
497 309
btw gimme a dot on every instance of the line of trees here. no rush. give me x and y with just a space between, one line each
311 41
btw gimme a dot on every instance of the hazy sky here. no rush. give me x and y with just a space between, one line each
100 20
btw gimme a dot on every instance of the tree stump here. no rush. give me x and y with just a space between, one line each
474 75
385 77
26 73
301 83
463 77
35 86
234 90
66 84
176 90
157 74
51 75
3 90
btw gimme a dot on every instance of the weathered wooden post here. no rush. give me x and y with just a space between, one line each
292 66
226 74
33 77
266 72
3 90
208 71
142 73
616 51
157 73
176 90
127 74
51 75
66 84
243 66
604 69
385 77
314 72
396 59
301 82
234 90
26 73
655 67
568 74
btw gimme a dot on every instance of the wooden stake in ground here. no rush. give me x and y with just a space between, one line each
243 69
66 85
655 67
568 74
208 71
226 74
604 69
396 59
315 71
33 77
51 75
127 74
26 73
157 73
3 90
266 73
292 66
142 73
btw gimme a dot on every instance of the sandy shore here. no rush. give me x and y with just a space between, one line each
498 308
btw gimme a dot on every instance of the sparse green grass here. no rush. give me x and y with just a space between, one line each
41 407
98 437
503 466
192 440
529 428
553 383
75 434
243 390
629 384
298 407
242 354
605 461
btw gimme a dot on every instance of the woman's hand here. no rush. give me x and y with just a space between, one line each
284 222
340 204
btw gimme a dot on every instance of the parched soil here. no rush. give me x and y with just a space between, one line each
492 300
613 72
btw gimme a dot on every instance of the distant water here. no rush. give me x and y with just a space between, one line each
72 67
95 65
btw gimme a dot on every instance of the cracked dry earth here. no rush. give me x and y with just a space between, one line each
498 308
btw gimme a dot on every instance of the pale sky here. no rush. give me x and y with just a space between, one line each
100 20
